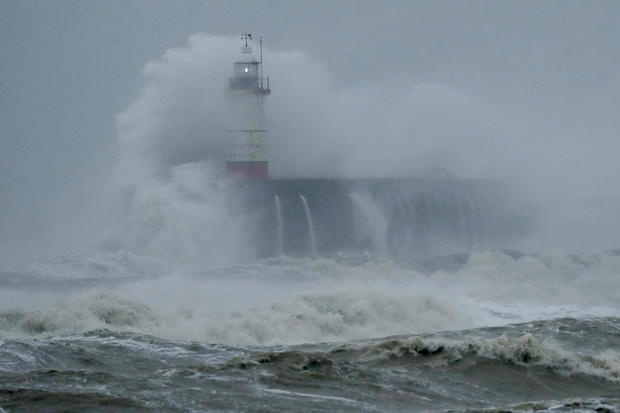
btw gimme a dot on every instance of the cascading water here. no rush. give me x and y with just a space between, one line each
401 219
280 232
374 219
310 225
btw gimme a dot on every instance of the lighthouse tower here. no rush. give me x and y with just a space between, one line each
247 88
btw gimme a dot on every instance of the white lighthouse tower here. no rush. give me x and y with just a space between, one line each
247 88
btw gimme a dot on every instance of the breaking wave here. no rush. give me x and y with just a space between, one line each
303 319
477 352
522 350
292 301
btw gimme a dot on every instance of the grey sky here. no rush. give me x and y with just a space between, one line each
68 67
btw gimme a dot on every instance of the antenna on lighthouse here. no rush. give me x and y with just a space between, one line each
245 36
260 42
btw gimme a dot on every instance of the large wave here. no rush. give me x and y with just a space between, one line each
304 300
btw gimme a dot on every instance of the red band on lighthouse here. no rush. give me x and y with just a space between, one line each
248 170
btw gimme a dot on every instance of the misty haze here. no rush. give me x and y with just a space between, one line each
310 206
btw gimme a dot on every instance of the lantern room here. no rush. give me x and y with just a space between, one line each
246 76
247 73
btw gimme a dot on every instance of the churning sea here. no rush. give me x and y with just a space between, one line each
487 331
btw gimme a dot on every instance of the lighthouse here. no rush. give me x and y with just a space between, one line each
247 88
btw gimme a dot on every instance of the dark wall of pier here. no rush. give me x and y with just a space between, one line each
401 218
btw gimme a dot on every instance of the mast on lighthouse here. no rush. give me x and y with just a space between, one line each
247 88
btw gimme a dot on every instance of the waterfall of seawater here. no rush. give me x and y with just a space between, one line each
403 219
310 224
375 220
280 223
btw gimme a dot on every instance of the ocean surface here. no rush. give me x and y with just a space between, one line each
487 331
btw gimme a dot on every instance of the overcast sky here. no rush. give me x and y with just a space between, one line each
67 68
